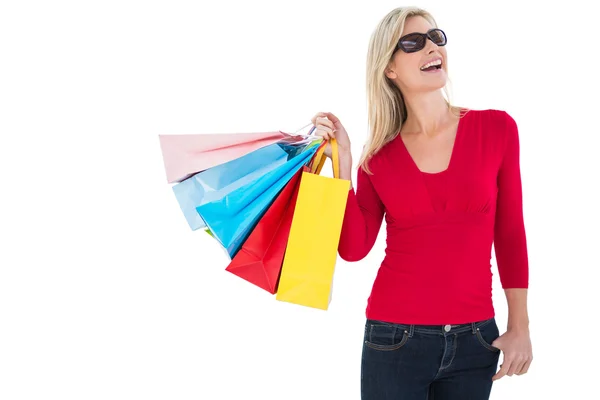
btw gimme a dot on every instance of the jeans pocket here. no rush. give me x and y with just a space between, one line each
486 334
385 337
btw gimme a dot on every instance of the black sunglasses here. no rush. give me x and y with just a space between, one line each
416 41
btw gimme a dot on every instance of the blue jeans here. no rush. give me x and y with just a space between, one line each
424 362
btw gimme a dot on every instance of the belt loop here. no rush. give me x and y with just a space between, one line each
473 328
411 331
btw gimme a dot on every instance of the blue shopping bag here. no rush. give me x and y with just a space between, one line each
232 218
216 182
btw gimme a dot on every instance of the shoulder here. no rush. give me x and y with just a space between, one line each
495 123
488 116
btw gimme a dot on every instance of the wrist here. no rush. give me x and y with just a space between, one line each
345 166
345 158
520 325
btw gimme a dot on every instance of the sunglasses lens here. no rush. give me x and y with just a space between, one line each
438 37
413 43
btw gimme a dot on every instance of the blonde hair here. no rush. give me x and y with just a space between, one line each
386 107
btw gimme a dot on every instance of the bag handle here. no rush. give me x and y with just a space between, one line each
304 127
318 159
316 164
335 159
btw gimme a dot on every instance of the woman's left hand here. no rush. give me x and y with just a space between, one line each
516 346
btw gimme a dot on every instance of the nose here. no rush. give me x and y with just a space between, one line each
430 46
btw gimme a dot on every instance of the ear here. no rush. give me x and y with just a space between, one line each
389 70
390 73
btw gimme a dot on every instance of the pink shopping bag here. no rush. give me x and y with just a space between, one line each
186 155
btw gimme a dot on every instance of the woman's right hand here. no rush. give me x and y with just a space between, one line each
328 126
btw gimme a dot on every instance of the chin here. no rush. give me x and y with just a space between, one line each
426 83
434 82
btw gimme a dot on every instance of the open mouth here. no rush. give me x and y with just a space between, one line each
432 66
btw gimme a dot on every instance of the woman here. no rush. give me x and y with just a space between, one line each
447 180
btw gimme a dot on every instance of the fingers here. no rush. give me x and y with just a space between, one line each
318 115
324 118
324 122
324 127
324 131
515 366
517 357
525 368
512 367
503 371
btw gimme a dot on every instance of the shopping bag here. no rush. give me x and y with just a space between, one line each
261 256
185 155
307 272
216 182
232 217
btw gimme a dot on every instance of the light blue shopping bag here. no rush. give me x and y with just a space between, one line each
216 182
232 218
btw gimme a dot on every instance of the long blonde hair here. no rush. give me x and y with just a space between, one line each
386 106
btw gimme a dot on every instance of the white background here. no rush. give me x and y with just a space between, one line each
105 293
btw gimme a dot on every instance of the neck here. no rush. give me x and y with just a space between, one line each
427 113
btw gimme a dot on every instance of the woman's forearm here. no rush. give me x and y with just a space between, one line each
518 318
346 167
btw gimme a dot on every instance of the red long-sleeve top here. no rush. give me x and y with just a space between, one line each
441 226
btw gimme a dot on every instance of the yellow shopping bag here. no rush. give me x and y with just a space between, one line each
311 253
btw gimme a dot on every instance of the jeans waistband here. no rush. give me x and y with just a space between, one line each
437 329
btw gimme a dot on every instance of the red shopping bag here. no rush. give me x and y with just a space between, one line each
260 259
261 256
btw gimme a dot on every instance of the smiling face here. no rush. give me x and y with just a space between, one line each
422 71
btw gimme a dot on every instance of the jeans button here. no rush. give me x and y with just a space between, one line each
447 328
